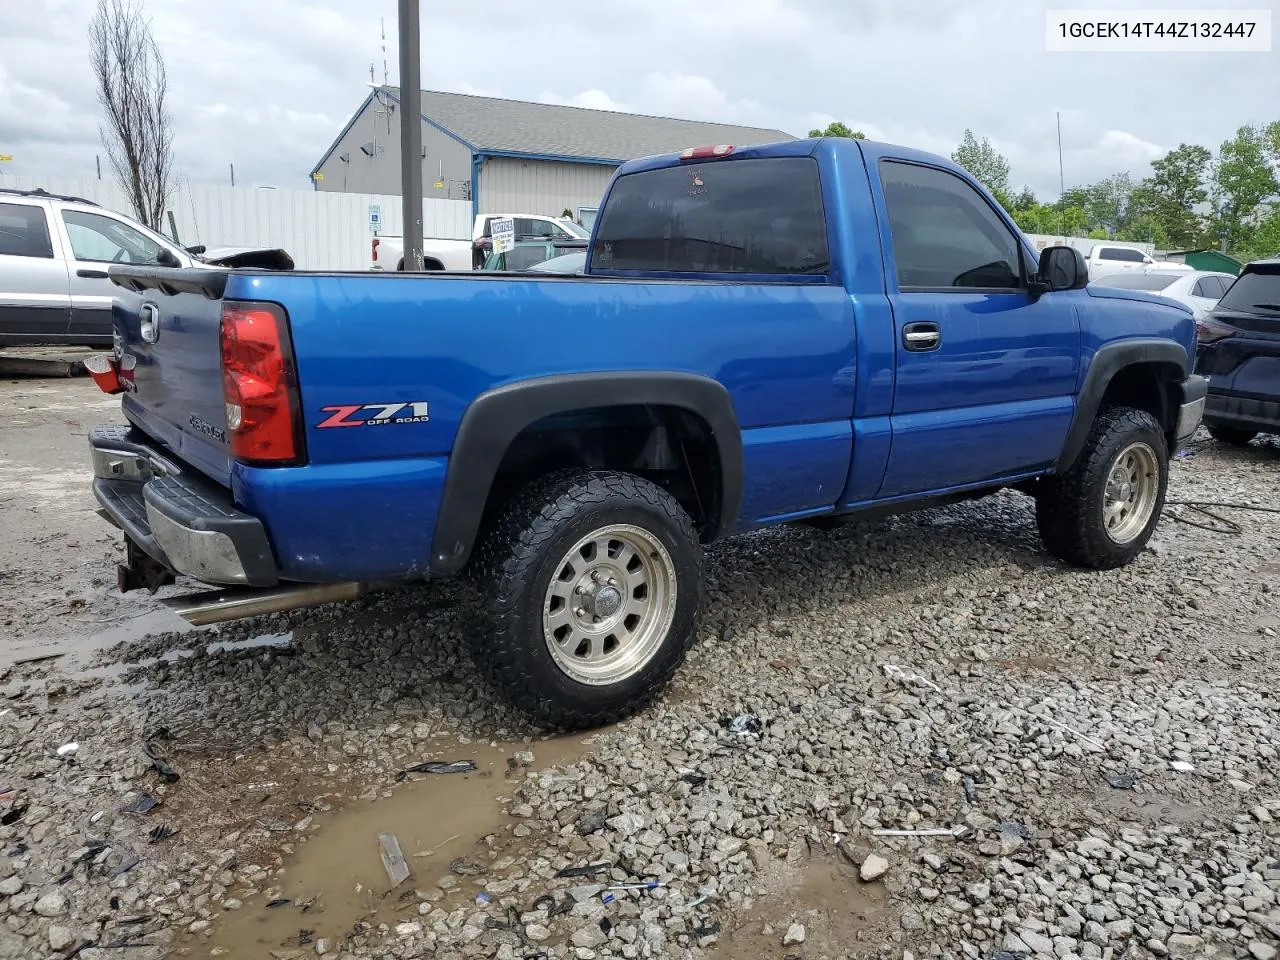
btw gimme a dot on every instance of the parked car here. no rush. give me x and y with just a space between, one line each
1197 289
1106 260
54 254
1239 351
387 252
762 335
527 254
528 226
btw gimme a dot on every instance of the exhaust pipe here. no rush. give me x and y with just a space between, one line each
218 606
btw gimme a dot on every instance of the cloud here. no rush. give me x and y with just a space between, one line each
267 84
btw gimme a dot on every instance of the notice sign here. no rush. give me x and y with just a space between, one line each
504 235
375 218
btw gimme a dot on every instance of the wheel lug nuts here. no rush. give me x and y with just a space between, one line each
578 612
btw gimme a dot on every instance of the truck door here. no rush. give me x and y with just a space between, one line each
986 373
35 304
96 241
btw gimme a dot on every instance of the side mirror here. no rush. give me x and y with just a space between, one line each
198 249
167 258
1061 268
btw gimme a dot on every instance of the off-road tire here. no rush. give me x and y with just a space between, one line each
524 546
1232 436
1069 506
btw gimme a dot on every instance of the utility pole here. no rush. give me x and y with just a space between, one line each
411 132
233 173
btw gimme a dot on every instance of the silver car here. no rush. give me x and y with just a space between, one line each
54 255
1198 289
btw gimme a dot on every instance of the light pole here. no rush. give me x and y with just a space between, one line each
411 132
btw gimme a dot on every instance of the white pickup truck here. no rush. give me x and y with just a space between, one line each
387 253
1106 260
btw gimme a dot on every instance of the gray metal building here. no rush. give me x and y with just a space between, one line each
508 156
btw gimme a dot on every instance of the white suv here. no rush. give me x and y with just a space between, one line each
54 255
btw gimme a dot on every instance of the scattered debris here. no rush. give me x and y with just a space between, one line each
591 821
143 803
959 830
970 791
466 868
1182 766
438 766
278 902
1062 726
1122 781
68 749
693 779
646 885
746 726
897 673
706 929
13 814
128 864
590 870
161 832
483 898
392 859
159 762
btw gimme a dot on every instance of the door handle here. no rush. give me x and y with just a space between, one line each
92 274
919 337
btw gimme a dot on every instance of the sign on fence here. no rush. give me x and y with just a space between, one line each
504 235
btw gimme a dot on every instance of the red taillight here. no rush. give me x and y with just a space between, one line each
259 385
706 153
373 244
106 374
1208 330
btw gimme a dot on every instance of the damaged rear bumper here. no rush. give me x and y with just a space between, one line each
177 517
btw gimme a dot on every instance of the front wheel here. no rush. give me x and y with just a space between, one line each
1102 511
1233 436
595 590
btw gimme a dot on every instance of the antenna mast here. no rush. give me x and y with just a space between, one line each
384 52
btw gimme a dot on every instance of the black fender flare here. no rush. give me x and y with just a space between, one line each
1109 360
494 419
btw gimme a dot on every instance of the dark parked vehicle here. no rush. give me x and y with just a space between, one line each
1239 351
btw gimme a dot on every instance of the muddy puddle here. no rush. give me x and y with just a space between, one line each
837 910
335 883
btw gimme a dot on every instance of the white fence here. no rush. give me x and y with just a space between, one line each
320 230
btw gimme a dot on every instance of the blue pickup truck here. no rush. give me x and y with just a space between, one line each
761 335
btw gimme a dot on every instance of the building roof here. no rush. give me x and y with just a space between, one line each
493 125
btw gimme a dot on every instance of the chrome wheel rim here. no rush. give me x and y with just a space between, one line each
1130 498
610 604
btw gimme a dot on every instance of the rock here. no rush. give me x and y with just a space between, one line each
591 821
324 945
537 932
10 885
590 937
52 904
410 928
585 892
1262 951
979 892
794 935
820 802
1184 945
522 810
873 868
627 824
60 937
1036 942
911 920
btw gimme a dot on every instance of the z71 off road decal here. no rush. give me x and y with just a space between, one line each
374 414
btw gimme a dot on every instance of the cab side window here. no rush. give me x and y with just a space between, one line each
944 233
23 231
102 239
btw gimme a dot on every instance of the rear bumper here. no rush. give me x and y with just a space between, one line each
1191 410
178 518
1253 413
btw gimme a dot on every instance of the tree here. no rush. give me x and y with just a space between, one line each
838 129
986 163
131 82
1242 180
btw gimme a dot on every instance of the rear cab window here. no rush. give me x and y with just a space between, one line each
24 231
1121 253
760 217
1257 290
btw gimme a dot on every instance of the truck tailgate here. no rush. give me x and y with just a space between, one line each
170 362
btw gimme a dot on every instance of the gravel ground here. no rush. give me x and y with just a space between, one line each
1103 744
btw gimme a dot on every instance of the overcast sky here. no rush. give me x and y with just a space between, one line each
267 84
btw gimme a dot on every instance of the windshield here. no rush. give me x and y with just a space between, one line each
1138 281
1257 290
575 229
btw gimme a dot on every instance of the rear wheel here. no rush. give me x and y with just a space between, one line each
595 589
1101 512
1234 436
